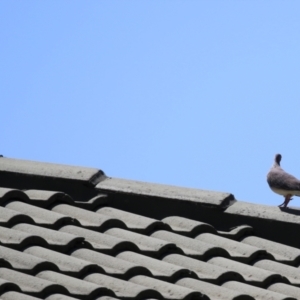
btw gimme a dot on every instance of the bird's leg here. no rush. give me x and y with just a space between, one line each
287 199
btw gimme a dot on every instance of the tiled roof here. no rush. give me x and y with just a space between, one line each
73 233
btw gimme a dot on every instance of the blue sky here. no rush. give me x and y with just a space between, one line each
198 94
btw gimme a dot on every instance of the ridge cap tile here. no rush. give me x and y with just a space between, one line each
132 187
267 212
44 169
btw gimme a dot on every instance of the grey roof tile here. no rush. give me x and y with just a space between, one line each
133 222
7 194
272 213
87 218
282 253
100 241
237 232
160 269
106 298
25 263
19 240
238 251
169 290
17 296
190 247
187 226
213 291
285 289
255 292
252 275
60 297
77 288
18 166
151 246
9 218
112 266
32 285
40 216
203 270
123 289
66 264
56 240
130 187
291 273
45 199
6 285
93 203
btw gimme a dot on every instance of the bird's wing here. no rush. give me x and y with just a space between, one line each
279 179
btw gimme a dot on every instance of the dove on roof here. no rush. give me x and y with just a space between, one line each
283 183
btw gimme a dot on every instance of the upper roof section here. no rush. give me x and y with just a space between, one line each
158 201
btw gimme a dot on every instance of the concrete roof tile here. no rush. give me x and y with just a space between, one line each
23 262
203 270
17 296
112 266
159 269
66 264
32 285
133 222
255 292
189 246
151 246
285 289
76 287
169 290
60 297
237 232
87 218
19 240
187 226
8 194
252 275
101 241
122 288
238 251
131 187
56 240
45 199
291 273
213 291
6 285
40 216
280 252
9 218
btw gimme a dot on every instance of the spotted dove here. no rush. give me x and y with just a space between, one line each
283 183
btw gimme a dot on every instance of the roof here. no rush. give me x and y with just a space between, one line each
74 233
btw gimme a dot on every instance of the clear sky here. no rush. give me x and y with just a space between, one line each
190 93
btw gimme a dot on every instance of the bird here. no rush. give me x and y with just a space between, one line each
283 183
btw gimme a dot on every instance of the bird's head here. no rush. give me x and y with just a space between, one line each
278 159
